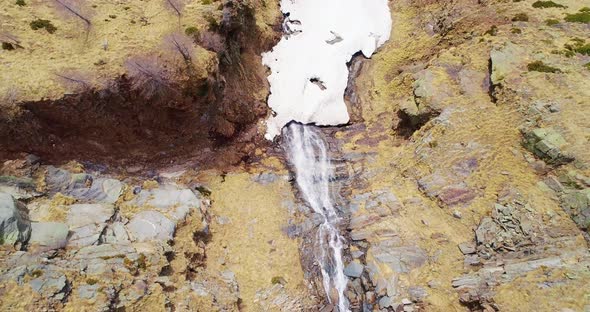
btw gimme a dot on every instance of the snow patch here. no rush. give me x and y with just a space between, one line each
308 66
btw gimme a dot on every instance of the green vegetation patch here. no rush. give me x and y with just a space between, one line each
192 32
551 22
516 30
20 2
582 17
520 17
587 65
539 66
43 23
212 22
492 31
577 45
547 4
7 46
585 9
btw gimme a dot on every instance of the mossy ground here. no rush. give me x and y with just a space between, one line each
386 82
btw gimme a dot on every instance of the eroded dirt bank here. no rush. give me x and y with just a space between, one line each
196 91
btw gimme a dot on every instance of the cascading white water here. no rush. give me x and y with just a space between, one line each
309 157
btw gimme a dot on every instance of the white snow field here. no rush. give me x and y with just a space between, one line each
308 66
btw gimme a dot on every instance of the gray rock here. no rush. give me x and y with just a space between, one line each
83 214
417 294
547 144
18 187
362 221
357 254
49 235
467 248
15 226
385 302
383 202
577 204
354 269
88 292
265 178
87 222
17 274
131 295
400 259
169 199
82 186
48 281
151 225
506 61
116 233
104 251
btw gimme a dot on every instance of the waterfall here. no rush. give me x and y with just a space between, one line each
308 155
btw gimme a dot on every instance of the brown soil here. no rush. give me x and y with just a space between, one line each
190 117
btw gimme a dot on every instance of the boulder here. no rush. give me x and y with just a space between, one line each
18 187
354 269
547 144
48 281
151 225
577 204
15 226
505 61
116 233
84 187
87 222
399 259
49 235
168 199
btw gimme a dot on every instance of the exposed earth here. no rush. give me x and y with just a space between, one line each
463 175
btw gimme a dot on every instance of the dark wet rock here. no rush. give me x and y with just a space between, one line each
547 144
354 269
15 226
49 235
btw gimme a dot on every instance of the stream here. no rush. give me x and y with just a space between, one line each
308 78
308 156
